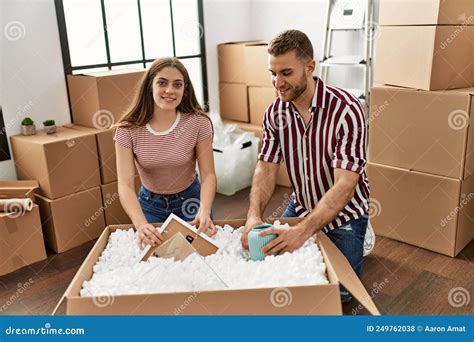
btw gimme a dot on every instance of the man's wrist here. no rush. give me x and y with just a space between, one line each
307 228
254 214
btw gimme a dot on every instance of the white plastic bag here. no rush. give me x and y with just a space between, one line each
235 157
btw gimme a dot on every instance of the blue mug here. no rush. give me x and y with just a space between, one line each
256 242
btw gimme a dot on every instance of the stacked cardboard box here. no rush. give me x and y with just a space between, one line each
421 146
425 44
66 166
245 86
21 237
113 211
99 99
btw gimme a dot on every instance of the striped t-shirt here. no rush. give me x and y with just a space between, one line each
336 137
166 161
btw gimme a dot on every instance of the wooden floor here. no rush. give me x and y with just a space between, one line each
402 279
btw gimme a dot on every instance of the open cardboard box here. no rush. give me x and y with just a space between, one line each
22 238
301 300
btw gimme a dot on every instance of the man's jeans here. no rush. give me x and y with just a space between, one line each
349 238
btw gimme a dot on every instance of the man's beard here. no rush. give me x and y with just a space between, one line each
298 90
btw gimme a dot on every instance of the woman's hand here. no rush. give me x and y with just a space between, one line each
149 235
205 224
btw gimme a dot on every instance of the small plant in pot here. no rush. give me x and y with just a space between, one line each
49 126
28 126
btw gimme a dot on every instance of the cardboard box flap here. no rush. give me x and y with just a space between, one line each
346 275
18 189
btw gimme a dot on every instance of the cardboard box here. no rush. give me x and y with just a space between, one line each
425 57
106 151
18 189
234 102
63 163
113 210
259 100
72 220
100 99
21 242
423 131
305 300
232 61
428 211
426 12
256 71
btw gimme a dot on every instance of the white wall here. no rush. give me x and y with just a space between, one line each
32 76
224 21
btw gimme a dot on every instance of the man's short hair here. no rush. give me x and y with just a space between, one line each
291 40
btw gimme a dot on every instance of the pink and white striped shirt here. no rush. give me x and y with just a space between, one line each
336 137
166 161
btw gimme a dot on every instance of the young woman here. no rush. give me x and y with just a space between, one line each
163 135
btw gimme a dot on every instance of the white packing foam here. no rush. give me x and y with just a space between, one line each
118 270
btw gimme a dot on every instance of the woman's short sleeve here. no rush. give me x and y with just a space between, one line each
123 137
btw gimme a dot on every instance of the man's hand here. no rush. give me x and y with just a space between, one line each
288 239
251 222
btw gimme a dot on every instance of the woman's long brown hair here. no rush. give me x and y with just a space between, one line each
141 110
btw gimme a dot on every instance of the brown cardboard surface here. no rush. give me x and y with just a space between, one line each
18 189
21 242
256 59
421 209
72 220
424 131
100 99
426 12
260 98
113 210
425 57
105 150
233 102
344 273
232 61
63 163
305 300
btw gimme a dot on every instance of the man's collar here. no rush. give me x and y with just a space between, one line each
319 97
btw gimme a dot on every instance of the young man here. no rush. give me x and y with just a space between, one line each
319 132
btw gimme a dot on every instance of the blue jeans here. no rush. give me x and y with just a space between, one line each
349 238
184 204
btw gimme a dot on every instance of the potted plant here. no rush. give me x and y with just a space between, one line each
28 126
49 126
